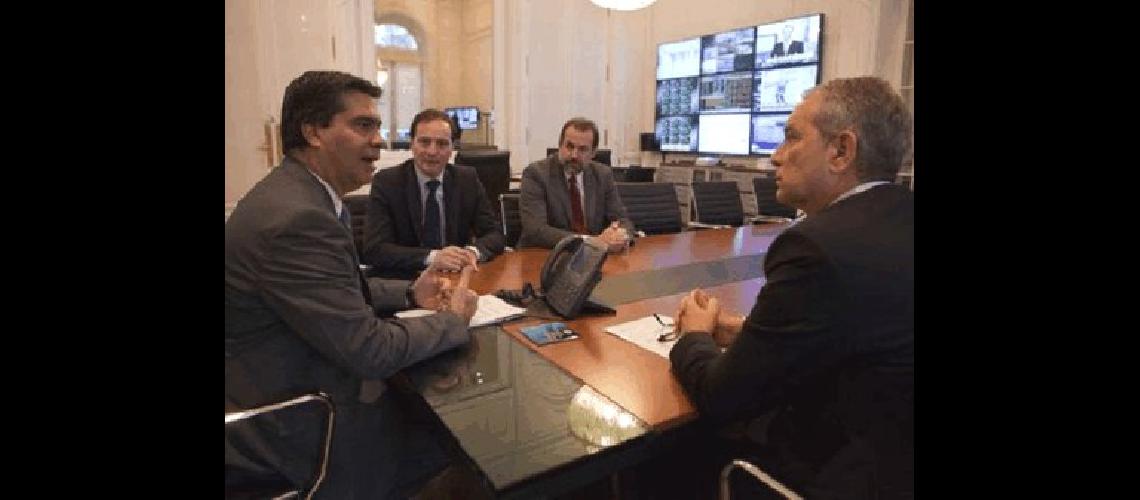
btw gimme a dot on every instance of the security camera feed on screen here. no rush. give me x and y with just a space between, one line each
782 89
677 96
731 51
726 93
677 133
731 92
679 59
767 133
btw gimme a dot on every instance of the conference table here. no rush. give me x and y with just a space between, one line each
533 419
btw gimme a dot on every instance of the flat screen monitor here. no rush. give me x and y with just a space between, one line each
677 133
792 41
781 89
677 96
750 77
767 133
679 59
728 51
727 92
725 134
466 116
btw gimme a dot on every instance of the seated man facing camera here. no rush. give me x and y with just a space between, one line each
569 193
427 211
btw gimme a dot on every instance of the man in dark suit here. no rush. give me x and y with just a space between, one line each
794 46
402 236
300 317
569 193
826 355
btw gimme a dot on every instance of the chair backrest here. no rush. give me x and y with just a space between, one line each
357 205
493 168
652 206
717 203
509 215
639 174
240 484
766 204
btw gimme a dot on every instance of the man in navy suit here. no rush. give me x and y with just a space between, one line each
427 211
826 356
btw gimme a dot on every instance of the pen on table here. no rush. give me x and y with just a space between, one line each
665 337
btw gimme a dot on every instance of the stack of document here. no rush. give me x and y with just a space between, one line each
644 333
489 310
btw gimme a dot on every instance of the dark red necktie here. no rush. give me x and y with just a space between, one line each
577 222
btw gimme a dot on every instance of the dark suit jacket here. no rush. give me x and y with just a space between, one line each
392 235
544 202
829 347
296 322
796 47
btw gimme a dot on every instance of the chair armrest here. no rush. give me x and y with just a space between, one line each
760 475
321 397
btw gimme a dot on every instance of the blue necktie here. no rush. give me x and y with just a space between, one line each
346 219
432 237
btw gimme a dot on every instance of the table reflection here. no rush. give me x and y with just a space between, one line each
513 412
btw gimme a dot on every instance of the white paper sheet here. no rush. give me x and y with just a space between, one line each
644 332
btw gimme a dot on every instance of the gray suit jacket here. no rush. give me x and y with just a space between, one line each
296 322
544 202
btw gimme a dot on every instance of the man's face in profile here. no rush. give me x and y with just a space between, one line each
576 149
350 144
801 160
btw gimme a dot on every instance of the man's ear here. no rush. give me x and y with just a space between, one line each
309 132
843 150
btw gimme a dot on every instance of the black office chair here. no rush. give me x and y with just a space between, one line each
757 473
357 205
717 204
509 215
493 168
638 174
766 204
241 486
652 206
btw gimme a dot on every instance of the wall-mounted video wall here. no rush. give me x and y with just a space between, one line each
732 92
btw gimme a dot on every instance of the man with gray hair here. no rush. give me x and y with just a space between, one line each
824 362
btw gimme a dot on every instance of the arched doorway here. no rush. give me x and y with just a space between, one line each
399 72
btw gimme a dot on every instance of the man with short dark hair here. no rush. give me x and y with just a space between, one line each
827 352
568 193
427 211
300 317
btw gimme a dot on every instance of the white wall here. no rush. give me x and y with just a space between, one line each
557 56
268 44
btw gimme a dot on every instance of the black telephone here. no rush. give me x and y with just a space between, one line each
571 271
